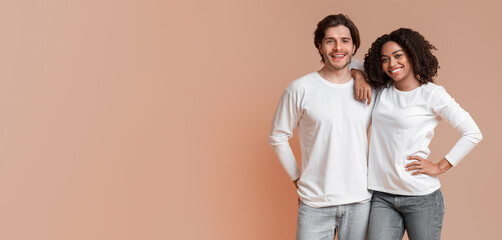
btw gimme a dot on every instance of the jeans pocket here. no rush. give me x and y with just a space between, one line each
440 200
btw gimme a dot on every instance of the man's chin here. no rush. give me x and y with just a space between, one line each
339 66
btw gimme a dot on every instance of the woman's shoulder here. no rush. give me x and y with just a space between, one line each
431 87
437 95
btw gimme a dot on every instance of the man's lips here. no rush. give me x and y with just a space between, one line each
338 56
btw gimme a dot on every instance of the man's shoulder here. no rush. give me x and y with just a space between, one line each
302 83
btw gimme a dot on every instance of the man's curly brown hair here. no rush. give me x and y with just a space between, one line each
416 48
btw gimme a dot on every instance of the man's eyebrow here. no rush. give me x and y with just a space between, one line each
332 38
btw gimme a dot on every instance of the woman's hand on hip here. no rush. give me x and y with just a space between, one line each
424 166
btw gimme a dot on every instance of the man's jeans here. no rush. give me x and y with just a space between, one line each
351 221
421 216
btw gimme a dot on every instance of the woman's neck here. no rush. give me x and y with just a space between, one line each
407 84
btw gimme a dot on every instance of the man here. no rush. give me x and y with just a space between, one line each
332 127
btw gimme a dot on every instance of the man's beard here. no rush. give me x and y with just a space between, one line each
349 59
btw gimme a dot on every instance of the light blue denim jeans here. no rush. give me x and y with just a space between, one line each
350 220
421 216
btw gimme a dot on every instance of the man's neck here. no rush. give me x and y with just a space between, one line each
338 76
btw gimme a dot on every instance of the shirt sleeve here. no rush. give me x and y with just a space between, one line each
285 120
449 110
356 64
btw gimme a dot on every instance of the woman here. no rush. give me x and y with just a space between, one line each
406 190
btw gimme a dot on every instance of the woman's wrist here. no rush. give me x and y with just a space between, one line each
443 165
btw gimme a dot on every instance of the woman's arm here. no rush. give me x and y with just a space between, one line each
445 106
427 167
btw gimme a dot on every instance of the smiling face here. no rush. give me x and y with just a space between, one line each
395 63
337 47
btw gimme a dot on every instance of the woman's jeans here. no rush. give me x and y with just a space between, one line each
421 216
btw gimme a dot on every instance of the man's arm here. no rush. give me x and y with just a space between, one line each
296 185
285 120
362 89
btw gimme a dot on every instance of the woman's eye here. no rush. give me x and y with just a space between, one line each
398 55
384 59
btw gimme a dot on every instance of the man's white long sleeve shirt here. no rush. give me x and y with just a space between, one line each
332 127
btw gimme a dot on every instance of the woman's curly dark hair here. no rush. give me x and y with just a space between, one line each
416 48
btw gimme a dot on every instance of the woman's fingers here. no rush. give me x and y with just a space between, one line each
413 167
416 158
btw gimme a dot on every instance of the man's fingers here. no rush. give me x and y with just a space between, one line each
369 97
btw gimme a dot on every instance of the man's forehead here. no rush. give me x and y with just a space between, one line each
339 31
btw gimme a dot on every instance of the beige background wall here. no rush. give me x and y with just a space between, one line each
149 119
